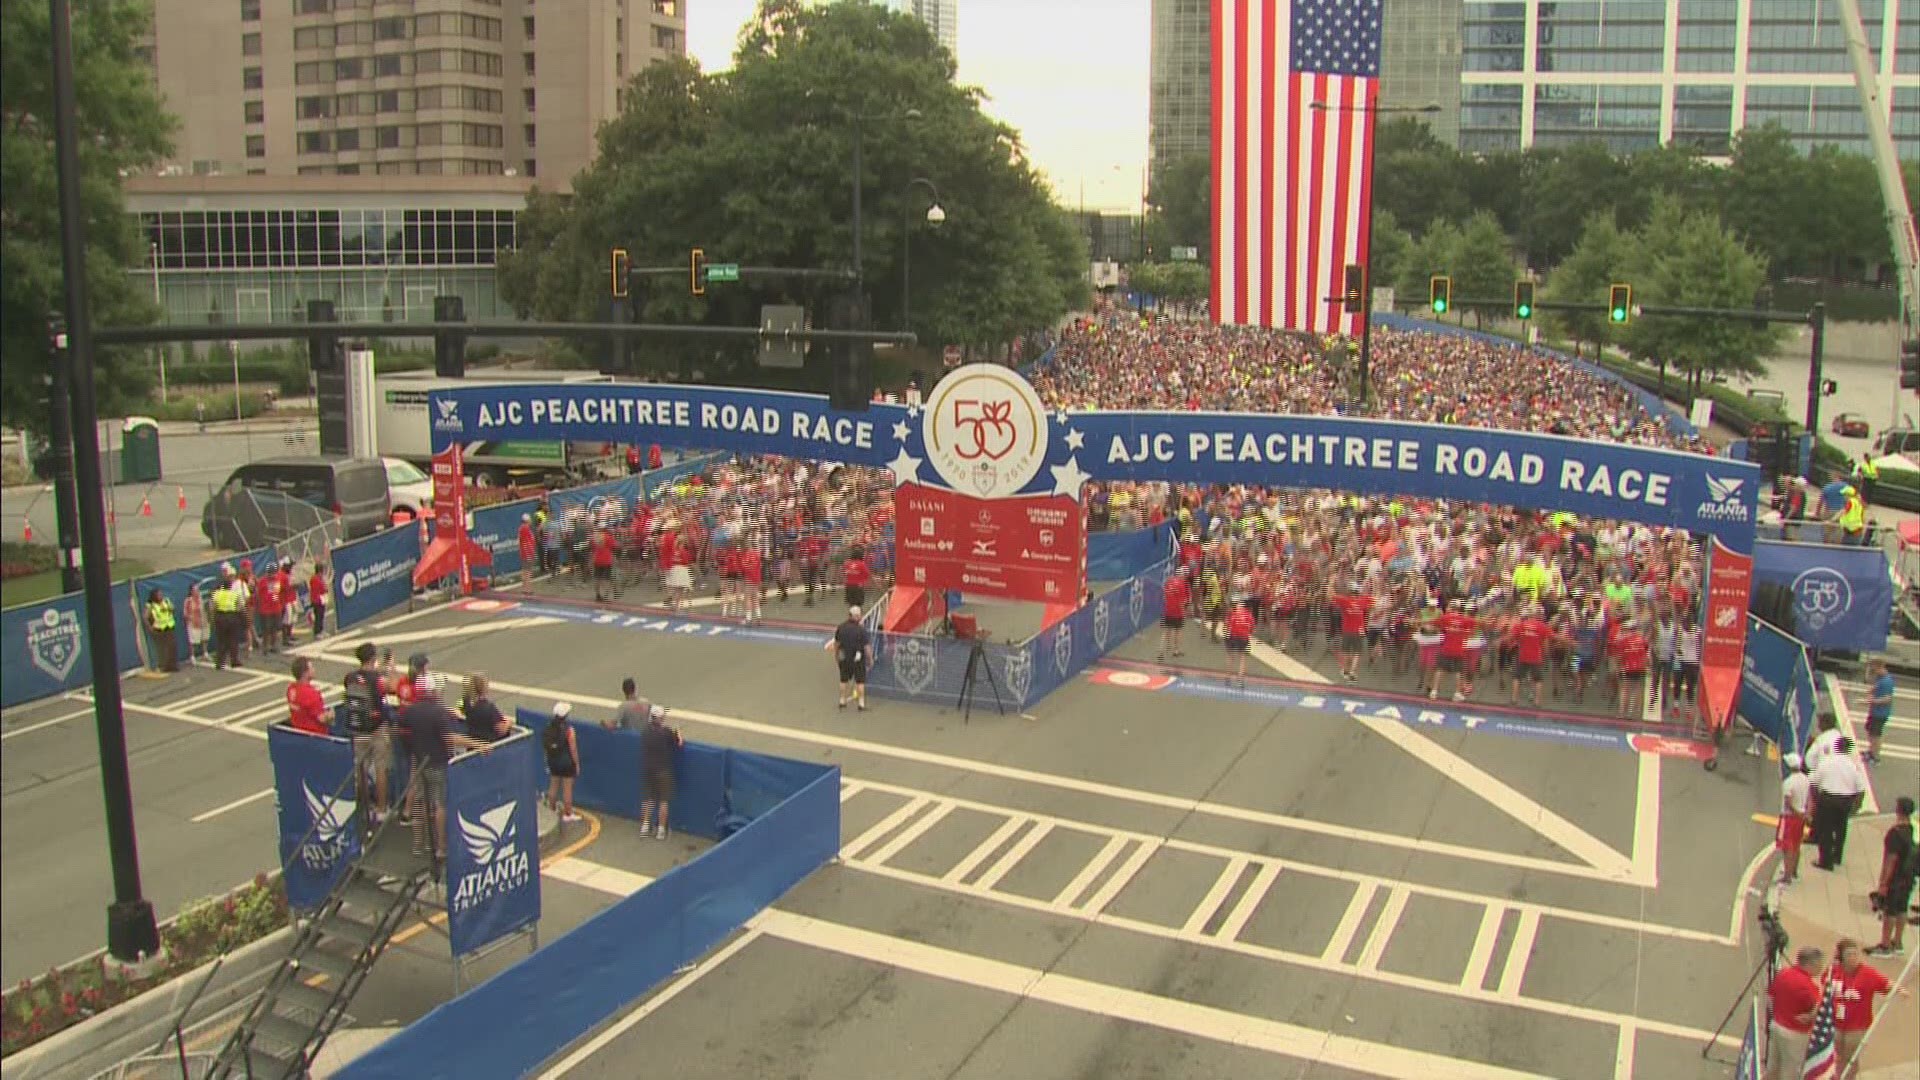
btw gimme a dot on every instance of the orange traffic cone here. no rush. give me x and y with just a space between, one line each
146 507
26 531
112 518
180 497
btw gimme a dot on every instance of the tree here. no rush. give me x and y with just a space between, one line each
1181 200
121 128
1482 263
1390 248
1579 177
754 167
1432 255
1767 186
1689 259
1583 277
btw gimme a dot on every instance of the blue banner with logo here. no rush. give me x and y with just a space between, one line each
1777 694
1117 556
46 650
493 843
1064 649
497 528
656 481
1752 1049
318 812
372 575
984 431
1842 596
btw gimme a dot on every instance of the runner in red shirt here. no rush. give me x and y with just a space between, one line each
1456 626
268 612
1630 664
1173 613
729 560
1352 606
603 565
752 576
1239 636
317 599
306 709
529 546
1529 637
1858 983
858 574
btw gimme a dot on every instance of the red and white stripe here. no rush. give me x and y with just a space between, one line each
1290 182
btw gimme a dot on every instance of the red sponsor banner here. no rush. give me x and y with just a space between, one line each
1029 548
1723 631
450 505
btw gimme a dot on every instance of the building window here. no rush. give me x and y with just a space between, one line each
667 8
526 27
249 10
391 64
526 59
315 142
313 37
386 138
312 7
250 44
666 39
254 112
313 108
391 29
529 135
346 170
256 146
526 99
347 139
252 79
349 68
528 168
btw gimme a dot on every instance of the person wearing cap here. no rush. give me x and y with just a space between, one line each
563 761
1796 797
852 649
229 613
659 749
430 730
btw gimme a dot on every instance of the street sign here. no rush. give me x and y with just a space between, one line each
1186 254
723 272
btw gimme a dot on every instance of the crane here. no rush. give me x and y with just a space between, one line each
1893 190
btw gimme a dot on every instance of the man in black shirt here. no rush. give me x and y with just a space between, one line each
485 723
429 729
659 745
852 648
367 723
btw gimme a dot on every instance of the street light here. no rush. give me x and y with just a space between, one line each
1366 257
859 169
935 215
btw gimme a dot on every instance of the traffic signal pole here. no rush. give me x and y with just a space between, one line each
1817 318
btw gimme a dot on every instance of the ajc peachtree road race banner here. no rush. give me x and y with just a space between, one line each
309 774
984 432
1032 548
1842 596
374 574
493 844
45 647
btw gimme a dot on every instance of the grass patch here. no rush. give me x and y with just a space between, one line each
35 586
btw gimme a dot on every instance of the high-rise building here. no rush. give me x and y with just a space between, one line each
941 16
401 87
1641 73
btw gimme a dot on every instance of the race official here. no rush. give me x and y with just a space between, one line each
306 709
1838 782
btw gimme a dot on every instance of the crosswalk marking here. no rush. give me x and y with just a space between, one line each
1098 902
1014 854
987 847
1518 953
1383 928
1222 886
886 825
1091 871
1336 950
1483 942
1249 901
912 832
850 788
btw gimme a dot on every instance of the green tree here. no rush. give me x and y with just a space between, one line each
1578 178
1598 261
121 128
1844 237
1766 194
1417 178
1181 201
1482 263
1434 254
1390 248
1689 259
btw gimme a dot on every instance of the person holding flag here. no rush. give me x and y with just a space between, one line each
1822 1053
1793 1003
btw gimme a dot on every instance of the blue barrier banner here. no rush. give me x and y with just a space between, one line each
497 528
374 574
1117 556
1842 596
610 774
493 844
311 783
998 417
623 494
510 1024
45 648
655 481
1747 1065
173 584
1065 649
1777 694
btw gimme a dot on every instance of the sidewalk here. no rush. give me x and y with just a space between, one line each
1824 907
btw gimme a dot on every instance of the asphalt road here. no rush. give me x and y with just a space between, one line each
1142 879
1869 388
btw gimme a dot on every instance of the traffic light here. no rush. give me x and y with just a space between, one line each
850 387
1353 295
1619 304
1910 365
1523 299
1829 387
697 272
1440 293
618 273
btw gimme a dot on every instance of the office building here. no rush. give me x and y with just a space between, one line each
1419 67
401 87
941 16
1639 73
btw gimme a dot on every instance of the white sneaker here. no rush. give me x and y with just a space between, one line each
660 833
569 817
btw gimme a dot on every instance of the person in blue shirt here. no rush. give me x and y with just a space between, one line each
1879 706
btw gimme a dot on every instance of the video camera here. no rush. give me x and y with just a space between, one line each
1776 934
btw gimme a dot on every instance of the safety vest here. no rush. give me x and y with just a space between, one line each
1853 518
160 613
1866 469
226 599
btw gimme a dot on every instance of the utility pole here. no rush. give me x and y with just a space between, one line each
66 508
1817 319
131 933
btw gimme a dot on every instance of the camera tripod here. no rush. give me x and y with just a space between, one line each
977 664
1769 966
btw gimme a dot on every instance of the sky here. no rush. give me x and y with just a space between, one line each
1069 75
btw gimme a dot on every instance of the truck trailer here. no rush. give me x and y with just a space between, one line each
401 430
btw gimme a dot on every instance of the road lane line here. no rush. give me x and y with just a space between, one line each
1483 942
886 825
43 724
1342 940
986 847
850 788
1005 864
1081 995
1623 1053
1249 902
189 718
1098 902
256 680
1089 872
1210 903
912 832
1383 928
1518 953
234 805
1646 820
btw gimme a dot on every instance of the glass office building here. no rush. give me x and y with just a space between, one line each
1640 73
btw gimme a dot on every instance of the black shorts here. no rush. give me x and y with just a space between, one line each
853 671
1524 670
731 575
562 770
603 573
857 596
1453 664
1173 622
1376 635
1352 642
1236 644
1687 679
657 784
1897 897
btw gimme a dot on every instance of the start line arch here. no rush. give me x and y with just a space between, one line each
983 433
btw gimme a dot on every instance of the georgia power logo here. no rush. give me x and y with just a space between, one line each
1821 596
499 863
446 415
985 430
53 641
1725 499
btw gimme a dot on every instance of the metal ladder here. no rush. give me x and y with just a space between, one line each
307 997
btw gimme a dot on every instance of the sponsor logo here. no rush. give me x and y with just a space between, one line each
349 583
1725 616
1062 646
1046 537
446 415
985 431
926 526
1102 624
500 864
330 820
1131 680
1725 500
986 548
53 641
1018 672
1821 595
915 663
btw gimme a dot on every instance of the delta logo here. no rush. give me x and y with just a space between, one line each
1726 500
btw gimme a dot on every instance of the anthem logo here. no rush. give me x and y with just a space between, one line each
499 863
1726 500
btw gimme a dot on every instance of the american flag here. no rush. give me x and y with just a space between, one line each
1820 1063
1291 182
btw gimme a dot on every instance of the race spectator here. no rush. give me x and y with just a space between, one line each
267 612
306 709
194 614
563 761
1899 865
368 723
1796 797
857 575
317 600
1838 781
428 728
659 747
1856 983
1792 999
484 720
529 546
603 552
851 647
1173 617
1879 706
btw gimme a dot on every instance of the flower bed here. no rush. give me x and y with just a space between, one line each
42 1006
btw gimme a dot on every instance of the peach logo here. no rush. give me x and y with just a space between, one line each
985 430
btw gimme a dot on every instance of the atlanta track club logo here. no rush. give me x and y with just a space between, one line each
985 431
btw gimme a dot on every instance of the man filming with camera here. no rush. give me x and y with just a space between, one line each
1792 998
